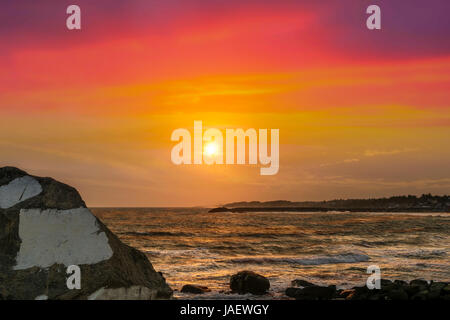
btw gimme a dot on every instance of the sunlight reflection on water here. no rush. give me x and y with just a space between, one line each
192 246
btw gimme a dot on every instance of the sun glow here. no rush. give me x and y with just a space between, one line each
211 149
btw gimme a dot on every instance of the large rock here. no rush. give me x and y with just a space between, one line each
301 283
312 292
192 288
249 282
45 227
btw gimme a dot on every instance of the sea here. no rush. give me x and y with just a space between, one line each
192 246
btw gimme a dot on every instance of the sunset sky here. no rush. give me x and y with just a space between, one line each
361 113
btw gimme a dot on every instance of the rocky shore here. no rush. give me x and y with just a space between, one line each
390 290
46 230
245 282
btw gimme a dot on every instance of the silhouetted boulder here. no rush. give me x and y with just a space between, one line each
397 294
301 283
293 292
249 282
312 293
45 227
400 290
436 290
190 288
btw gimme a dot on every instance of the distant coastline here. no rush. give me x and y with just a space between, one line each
424 203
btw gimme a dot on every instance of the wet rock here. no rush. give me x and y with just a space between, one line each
416 286
400 283
419 282
293 292
191 288
46 227
319 293
437 286
346 294
359 293
386 284
422 295
435 289
397 290
249 282
312 293
446 289
376 296
397 294
301 283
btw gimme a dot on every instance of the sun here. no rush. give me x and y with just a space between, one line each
211 149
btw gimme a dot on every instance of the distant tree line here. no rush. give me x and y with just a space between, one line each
409 201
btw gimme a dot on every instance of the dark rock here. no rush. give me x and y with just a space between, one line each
422 295
318 292
53 195
386 284
397 294
162 276
376 296
360 293
416 286
301 283
8 174
434 295
446 289
435 289
191 288
396 290
312 293
45 227
293 292
400 283
438 286
419 282
249 282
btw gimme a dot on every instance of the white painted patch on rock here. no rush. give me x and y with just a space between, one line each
69 237
19 190
41 297
131 293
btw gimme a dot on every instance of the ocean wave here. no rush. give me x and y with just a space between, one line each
375 244
318 260
189 253
265 235
422 254
157 233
